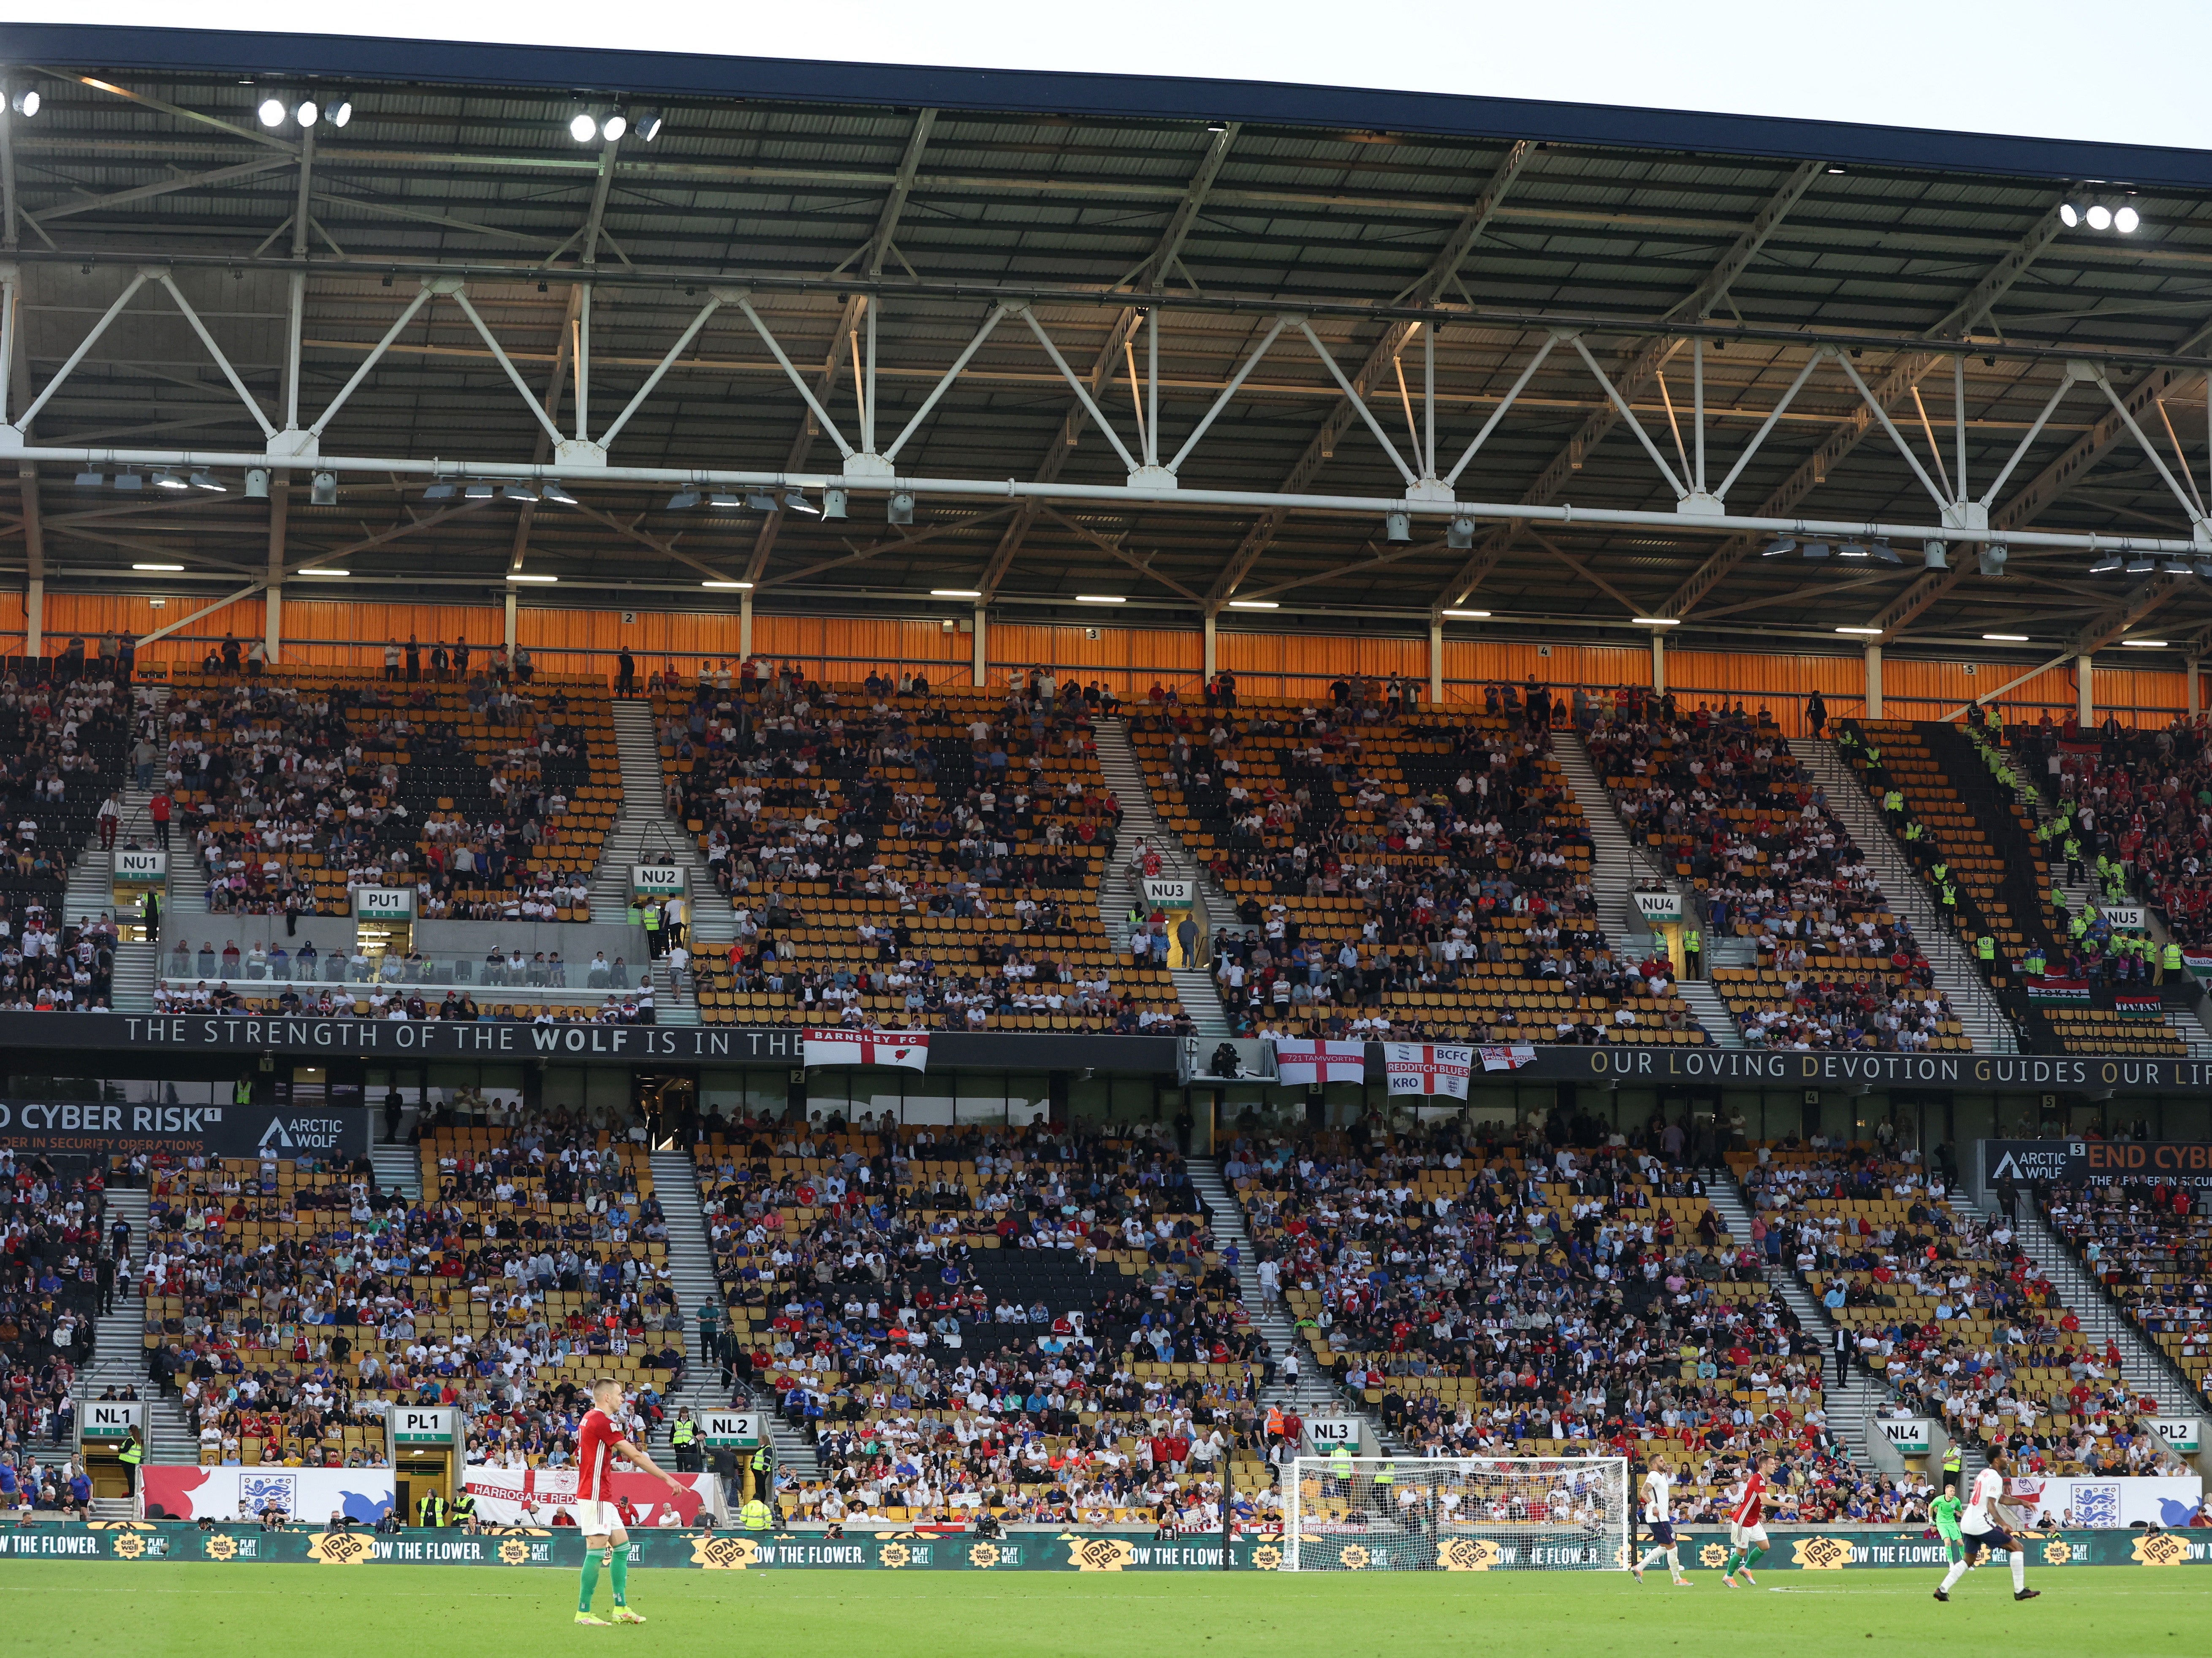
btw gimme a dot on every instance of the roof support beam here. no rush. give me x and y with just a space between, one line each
1152 274
848 320
1904 373
1641 368
1444 269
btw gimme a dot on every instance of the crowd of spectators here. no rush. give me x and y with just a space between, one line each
2148 1245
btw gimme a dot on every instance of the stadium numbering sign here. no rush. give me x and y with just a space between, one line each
383 903
1908 1435
656 879
732 1427
2096 1162
1659 906
140 868
421 1424
110 1419
1333 1431
2179 1433
1166 892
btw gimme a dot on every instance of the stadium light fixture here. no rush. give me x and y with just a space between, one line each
270 112
2099 216
325 570
518 490
760 501
555 490
2126 220
2006 638
796 501
1253 604
2142 565
2068 214
2144 644
614 126
1934 555
1101 599
1883 552
582 128
734 587
1460 533
91 480
518 576
169 478
899 509
833 504
1852 550
341 111
956 593
648 125
172 569
1397 527
1780 545
129 481
323 490
441 491
2174 567
1993 559
256 483
1813 549
26 102
2108 565
1657 621
207 480
1871 632
2204 569
477 490
683 500
1467 615
724 500
306 112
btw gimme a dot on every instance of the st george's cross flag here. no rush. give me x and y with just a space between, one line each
836 1047
1302 1062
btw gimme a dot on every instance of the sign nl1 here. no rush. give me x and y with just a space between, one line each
110 1419
657 879
384 903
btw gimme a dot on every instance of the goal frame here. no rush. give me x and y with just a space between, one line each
1612 1535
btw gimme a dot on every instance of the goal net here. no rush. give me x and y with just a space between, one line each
1457 1514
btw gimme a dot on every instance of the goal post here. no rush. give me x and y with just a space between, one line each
1457 1514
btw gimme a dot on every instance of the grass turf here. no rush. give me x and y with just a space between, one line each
189 1610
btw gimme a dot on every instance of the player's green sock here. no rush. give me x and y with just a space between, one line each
1753 1558
1735 1559
622 1574
591 1579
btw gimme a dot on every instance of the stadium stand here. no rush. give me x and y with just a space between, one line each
57 1276
288 1302
907 856
1400 874
1032 1320
491 794
1720 794
1571 1292
1947 1308
2148 1245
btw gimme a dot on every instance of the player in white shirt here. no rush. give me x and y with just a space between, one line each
1990 1521
1659 1521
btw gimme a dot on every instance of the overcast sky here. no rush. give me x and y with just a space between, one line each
2121 71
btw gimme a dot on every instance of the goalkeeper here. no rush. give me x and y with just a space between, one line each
1945 1511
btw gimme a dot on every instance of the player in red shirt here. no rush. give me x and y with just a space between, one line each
1747 1524
599 1440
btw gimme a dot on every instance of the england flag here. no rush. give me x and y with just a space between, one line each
1427 1069
835 1047
1302 1063
1508 1058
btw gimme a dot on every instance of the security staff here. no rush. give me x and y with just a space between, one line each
754 1516
1386 1477
2169 961
1340 1469
431 1510
756 1471
1954 1465
1694 948
465 1510
683 1440
132 1454
1985 948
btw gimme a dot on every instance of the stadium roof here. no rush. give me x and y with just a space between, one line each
1575 278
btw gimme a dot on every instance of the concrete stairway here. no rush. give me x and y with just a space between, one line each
1712 1013
118 1352
136 967
643 832
1117 890
1850 1407
1314 1395
691 1267
1956 975
398 1166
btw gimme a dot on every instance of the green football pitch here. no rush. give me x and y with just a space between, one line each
152 1611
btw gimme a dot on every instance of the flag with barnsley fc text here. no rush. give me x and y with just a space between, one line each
1427 1067
835 1047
